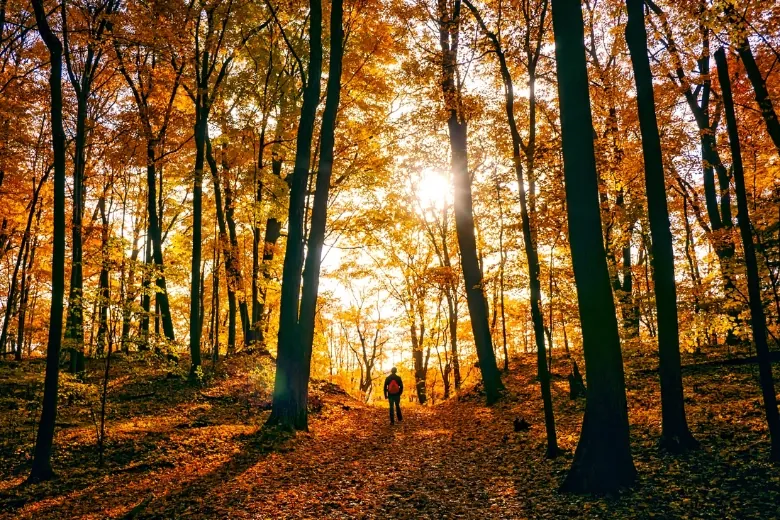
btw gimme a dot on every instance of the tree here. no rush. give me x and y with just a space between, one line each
41 467
96 19
532 257
602 461
154 95
289 400
675 435
449 38
757 316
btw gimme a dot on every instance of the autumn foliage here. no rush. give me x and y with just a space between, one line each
222 222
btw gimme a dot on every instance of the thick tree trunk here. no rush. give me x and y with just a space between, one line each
311 272
289 399
757 316
41 466
602 461
675 435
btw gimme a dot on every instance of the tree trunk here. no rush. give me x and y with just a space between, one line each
417 360
311 272
501 277
201 136
233 260
602 461
41 466
675 435
103 292
74 331
231 276
762 95
21 261
532 257
146 303
155 234
289 399
464 214
24 296
758 318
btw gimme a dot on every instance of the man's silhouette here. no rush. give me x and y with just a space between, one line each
394 387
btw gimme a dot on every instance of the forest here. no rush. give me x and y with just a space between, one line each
224 222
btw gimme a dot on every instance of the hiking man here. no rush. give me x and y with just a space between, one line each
394 387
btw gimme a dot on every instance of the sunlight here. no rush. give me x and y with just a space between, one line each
433 189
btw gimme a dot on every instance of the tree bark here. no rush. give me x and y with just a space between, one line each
41 466
155 234
602 461
104 291
675 435
757 316
289 399
234 262
201 136
231 276
762 95
449 27
311 272
532 258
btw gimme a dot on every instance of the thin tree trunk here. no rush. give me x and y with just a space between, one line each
21 260
25 292
602 461
201 136
532 257
449 23
104 291
155 259
675 435
41 466
758 318
233 260
501 276
231 276
74 331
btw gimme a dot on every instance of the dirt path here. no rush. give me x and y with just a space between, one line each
356 465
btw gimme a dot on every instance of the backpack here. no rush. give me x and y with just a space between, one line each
393 388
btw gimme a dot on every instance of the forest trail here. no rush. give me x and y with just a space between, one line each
191 453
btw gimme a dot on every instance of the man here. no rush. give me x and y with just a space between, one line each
394 387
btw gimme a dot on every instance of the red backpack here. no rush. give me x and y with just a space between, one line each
393 388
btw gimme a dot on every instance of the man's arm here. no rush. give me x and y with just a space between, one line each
387 381
400 384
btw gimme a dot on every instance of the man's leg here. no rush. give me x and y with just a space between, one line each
392 418
398 408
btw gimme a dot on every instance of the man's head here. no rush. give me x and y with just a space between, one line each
393 370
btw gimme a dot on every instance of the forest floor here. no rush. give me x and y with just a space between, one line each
174 451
